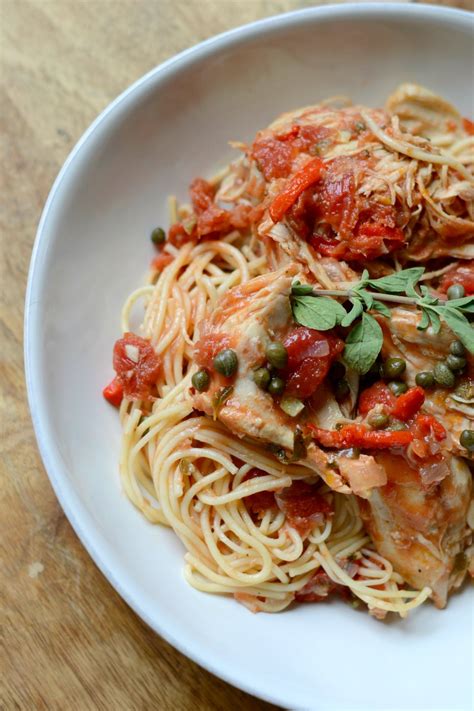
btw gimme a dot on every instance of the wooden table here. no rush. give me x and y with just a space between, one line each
70 641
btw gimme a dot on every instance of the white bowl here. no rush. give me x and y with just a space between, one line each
92 249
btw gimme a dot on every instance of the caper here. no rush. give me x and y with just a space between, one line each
425 379
158 235
456 291
378 421
397 387
467 440
262 378
455 362
341 389
277 355
443 375
226 362
457 348
201 380
276 386
337 371
393 367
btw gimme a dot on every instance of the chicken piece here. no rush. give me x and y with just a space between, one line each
423 113
249 317
422 532
422 350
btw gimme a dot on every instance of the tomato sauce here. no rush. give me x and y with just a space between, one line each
274 157
137 366
462 274
209 346
310 354
303 506
338 222
262 501
209 221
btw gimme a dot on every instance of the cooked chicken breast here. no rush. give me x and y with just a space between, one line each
422 350
421 531
249 318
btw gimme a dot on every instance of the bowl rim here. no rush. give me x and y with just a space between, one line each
65 492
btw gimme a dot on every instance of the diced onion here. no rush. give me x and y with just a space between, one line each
132 352
291 405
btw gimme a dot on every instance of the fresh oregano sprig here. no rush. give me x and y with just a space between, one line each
315 309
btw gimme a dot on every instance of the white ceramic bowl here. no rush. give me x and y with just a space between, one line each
92 249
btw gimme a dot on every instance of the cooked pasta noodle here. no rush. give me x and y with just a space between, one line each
189 470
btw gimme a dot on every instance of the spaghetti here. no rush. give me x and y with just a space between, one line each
254 523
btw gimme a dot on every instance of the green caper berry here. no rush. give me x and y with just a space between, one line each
341 389
457 348
455 362
226 362
394 367
467 440
443 375
158 236
456 291
262 378
277 355
398 388
378 421
276 386
337 371
201 380
425 379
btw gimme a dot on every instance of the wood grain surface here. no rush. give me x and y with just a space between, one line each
69 640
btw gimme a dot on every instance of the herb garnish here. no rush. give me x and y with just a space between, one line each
363 344
220 398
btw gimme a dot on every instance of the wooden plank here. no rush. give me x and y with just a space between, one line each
69 640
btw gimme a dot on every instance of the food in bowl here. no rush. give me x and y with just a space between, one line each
298 405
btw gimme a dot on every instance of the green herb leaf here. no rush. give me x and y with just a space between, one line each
424 322
318 312
435 319
367 297
298 289
459 324
381 308
220 398
363 344
402 282
364 279
466 304
355 312
428 298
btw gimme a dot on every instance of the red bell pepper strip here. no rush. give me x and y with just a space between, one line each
113 392
358 435
408 404
426 425
162 261
403 407
468 126
302 179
